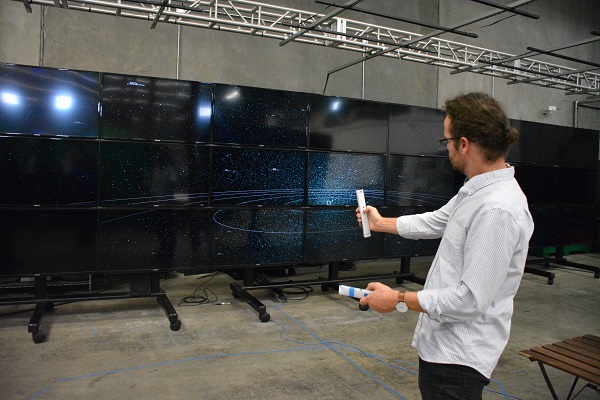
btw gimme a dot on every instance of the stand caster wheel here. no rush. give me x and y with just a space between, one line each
264 317
235 294
49 306
175 325
399 281
324 287
38 337
363 308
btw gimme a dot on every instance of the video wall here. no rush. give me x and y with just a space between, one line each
117 173
557 168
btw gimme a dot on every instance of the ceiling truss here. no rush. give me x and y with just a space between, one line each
331 30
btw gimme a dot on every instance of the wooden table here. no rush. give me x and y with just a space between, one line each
579 356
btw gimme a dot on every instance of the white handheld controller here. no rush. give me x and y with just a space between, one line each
353 292
362 205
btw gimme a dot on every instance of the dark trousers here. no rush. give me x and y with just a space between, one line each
450 381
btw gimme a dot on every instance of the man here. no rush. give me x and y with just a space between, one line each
466 303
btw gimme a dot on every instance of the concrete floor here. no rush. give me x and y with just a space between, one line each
318 347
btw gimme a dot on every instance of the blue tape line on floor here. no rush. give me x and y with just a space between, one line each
333 346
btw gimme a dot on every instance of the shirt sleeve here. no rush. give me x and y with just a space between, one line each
491 240
429 225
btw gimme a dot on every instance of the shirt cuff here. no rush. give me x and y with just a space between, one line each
401 226
428 300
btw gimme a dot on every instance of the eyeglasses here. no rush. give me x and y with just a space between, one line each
444 142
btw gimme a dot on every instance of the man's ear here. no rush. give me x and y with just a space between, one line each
464 144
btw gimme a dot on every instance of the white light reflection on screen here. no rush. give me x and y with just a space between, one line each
204 111
10 98
232 95
63 102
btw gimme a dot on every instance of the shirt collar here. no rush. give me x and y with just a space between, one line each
482 180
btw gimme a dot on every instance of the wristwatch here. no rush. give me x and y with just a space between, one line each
401 305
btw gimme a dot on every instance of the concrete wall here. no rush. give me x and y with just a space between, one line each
56 37
561 23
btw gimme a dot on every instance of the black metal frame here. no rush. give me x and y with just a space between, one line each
45 302
252 281
575 380
559 259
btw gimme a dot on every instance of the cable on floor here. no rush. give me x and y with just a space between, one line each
201 295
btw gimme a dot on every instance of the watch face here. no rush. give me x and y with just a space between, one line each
402 307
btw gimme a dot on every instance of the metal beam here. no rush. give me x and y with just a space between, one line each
553 54
358 36
401 19
276 22
507 8
546 76
528 54
430 35
27 5
159 13
320 21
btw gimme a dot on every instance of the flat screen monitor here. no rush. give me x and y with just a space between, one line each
334 177
334 235
246 176
574 224
45 171
337 123
579 147
538 143
255 116
543 221
577 185
416 131
135 107
163 239
395 246
153 173
44 101
419 181
257 237
48 241
538 182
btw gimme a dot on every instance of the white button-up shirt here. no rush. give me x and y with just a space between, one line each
469 291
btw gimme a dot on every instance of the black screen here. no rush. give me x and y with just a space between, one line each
258 177
397 246
43 101
333 178
576 185
136 107
543 221
246 115
334 235
45 171
41 241
251 237
537 143
574 224
538 182
337 123
419 181
416 131
579 147
172 239
143 173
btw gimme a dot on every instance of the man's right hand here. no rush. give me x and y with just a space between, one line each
377 223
